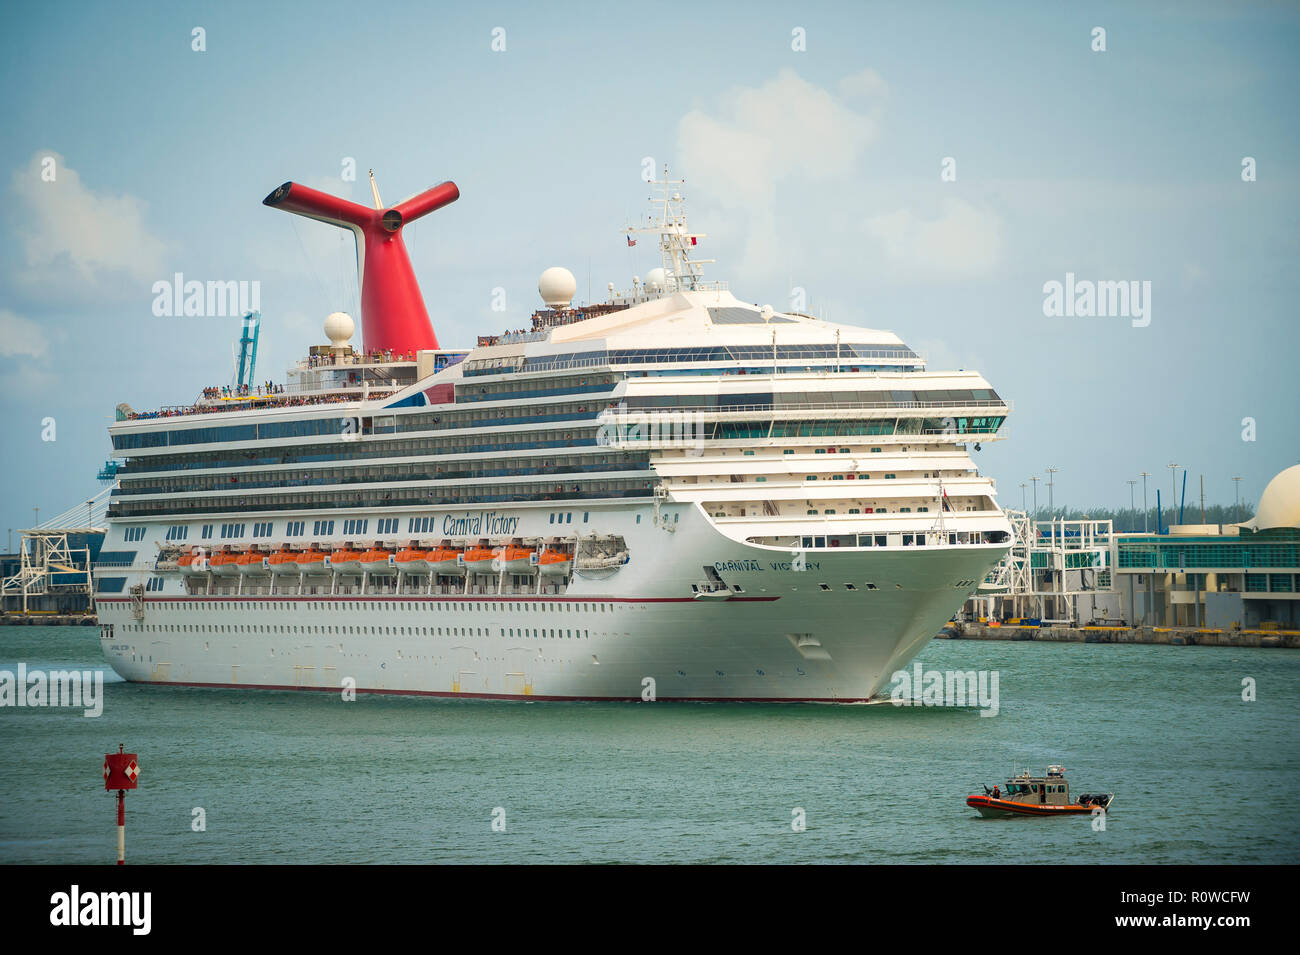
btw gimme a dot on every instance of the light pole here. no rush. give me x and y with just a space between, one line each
1035 479
1145 475
1132 482
1023 505
1173 486
1236 497
1051 483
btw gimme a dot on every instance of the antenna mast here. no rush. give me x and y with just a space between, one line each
675 237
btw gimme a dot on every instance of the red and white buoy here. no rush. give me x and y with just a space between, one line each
121 772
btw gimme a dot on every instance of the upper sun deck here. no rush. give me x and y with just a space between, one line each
712 330
328 375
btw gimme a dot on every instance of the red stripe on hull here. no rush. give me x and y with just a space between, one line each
1025 809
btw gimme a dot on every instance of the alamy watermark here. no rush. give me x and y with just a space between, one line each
619 428
946 688
1084 298
126 909
177 298
71 688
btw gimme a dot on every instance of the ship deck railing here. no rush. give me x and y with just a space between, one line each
883 409
258 403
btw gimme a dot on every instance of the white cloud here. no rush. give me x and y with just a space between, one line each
758 137
865 85
962 241
21 337
786 127
75 241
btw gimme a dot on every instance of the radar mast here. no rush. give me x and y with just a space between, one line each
682 273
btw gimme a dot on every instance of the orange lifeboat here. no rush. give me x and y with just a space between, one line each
478 560
254 562
514 560
311 561
225 564
445 560
345 560
283 561
412 560
554 563
193 564
377 561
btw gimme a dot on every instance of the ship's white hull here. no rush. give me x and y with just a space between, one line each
785 634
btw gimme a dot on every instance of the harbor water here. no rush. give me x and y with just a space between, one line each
1200 775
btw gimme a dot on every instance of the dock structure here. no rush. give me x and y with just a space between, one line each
48 579
1058 571
1188 579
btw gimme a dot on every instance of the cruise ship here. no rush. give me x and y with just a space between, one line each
672 495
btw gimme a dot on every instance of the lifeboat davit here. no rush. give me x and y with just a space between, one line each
412 560
224 564
554 563
514 560
311 561
445 560
377 561
478 560
345 560
192 565
283 561
254 563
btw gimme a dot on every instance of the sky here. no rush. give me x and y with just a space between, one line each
927 168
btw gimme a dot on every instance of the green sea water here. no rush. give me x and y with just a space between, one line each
1199 774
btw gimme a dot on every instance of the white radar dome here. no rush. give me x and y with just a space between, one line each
339 328
657 280
557 286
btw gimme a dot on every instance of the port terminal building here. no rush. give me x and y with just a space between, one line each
1079 573
1218 576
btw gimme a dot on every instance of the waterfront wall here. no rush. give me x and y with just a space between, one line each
1183 637
48 620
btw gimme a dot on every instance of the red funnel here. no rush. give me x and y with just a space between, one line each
393 315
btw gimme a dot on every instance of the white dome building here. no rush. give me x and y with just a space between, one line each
1279 505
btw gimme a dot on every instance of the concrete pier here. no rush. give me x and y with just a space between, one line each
1170 636
48 620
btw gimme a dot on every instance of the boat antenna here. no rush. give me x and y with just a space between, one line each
374 190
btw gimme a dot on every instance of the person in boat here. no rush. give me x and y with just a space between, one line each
997 794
